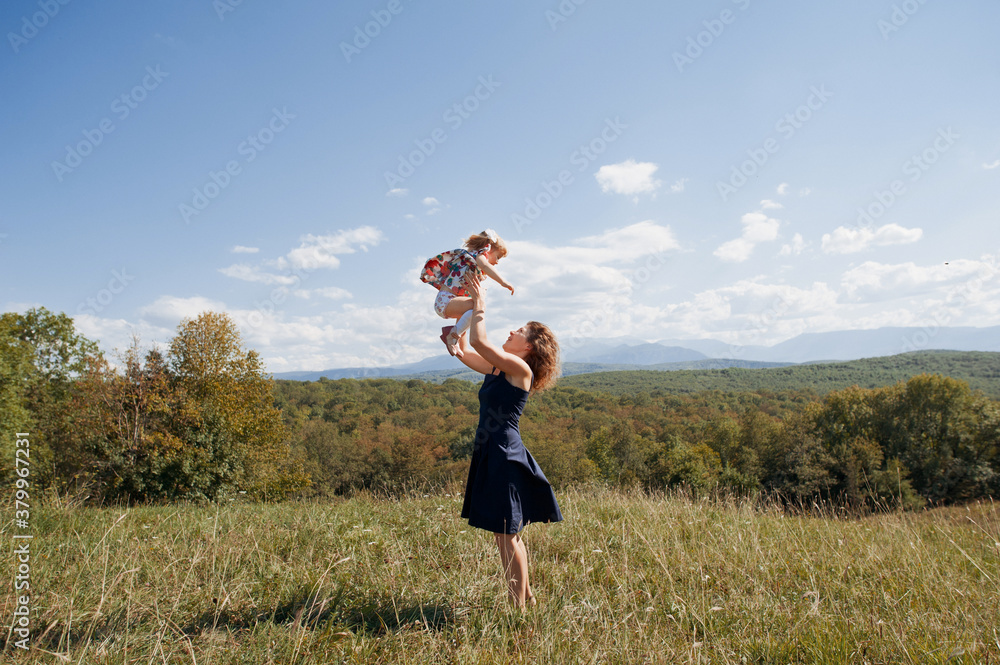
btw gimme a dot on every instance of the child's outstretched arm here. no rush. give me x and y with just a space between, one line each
492 273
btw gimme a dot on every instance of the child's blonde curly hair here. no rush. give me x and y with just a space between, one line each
487 238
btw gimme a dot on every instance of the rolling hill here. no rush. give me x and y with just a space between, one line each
980 369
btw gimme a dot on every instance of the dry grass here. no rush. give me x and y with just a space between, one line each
628 578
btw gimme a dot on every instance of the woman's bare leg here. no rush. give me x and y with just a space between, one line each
514 558
529 596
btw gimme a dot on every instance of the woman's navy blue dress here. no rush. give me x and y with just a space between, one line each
506 489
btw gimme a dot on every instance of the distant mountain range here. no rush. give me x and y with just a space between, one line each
624 353
854 344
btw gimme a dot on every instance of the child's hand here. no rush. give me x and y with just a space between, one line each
509 287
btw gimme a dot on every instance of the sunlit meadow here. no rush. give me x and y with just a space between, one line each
627 578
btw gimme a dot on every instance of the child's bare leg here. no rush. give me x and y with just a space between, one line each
454 310
458 306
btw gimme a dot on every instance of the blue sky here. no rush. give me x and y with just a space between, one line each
734 170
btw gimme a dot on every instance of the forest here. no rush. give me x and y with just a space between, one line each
202 420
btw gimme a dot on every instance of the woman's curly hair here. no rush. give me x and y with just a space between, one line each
543 358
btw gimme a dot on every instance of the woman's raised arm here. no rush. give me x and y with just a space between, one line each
471 359
517 371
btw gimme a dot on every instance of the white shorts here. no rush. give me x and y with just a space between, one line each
441 302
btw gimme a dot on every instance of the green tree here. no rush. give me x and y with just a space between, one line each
229 383
43 355
620 454
853 425
15 368
692 465
147 438
335 462
198 423
845 427
945 435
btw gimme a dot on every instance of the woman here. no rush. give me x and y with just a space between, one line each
506 489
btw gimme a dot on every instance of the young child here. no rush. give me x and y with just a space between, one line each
446 273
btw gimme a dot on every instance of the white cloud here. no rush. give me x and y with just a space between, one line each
768 204
249 273
745 312
397 192
845 240
240 249
331 292
992 165
679 186
115 335
567 284
174 309
873 295
757 228
794 247
434 206
631 242
783 188
322 251
876 281
314 252
805 191
734 251
628 177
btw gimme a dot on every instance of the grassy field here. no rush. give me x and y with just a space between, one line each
627 578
